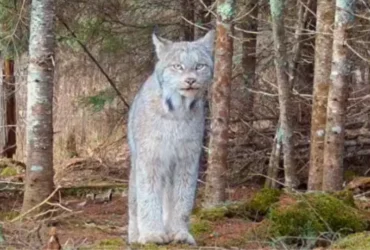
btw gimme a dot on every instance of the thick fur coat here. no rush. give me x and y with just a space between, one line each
165 133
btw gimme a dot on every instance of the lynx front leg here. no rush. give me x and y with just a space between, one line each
185 181
133 232
149 189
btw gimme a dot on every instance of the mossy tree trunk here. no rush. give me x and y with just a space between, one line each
285 102
337 98
220 106
323 55
39 175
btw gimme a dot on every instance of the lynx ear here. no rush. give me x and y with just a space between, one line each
208 40
160 44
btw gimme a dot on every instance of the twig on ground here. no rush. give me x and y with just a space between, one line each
37 206
59 205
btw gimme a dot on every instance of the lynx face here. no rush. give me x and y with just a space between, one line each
185 68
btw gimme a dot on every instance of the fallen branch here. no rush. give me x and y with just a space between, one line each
60 206
37 206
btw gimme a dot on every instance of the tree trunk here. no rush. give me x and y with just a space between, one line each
277 14
273 168
250 26
323 54
188 26
274 161
2 107
39 175
220 108
337 99
9 94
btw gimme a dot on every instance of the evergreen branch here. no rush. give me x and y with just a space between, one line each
95 61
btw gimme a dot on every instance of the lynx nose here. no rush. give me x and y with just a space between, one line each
190 81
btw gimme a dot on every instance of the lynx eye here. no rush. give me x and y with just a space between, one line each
200 66
178 67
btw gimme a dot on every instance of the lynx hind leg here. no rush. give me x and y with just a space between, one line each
149 193
185 181
133 231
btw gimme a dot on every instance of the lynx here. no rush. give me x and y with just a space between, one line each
165 134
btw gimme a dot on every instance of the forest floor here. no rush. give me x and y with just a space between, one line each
103 225
94 216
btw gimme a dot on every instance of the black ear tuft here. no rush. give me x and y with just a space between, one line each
156 29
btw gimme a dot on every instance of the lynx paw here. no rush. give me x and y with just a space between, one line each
133 238
183 237
157 238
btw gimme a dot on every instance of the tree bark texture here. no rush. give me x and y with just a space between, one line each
39 174
274 161
220 108
285 104
250 26
337 99
297 46
188 8
9 148
2 107
323 55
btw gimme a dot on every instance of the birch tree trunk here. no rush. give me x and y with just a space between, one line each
39 175
281 64
220 106
337 99
323 55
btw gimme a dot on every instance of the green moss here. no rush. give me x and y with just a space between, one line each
294 221
346 196
8 171
212 214
349 175
238 210
277 8
118 242
263 200
259 205
314 214
226 9
358 241
107 244
337 214
200 227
